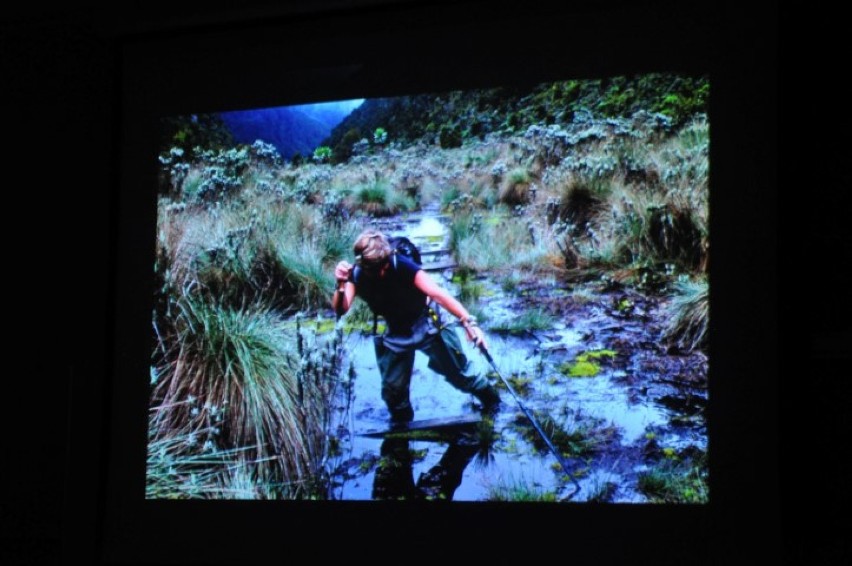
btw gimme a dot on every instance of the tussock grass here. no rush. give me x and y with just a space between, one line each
567 438
374 199
515 189
304 275
189 465
675 483
527 321
689 312
245 372
277 252
510 282
674 235
379 198
580 201
520 490
511 243
633 200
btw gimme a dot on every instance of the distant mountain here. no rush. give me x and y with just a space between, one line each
448 118
291 129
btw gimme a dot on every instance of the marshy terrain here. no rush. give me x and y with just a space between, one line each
571 218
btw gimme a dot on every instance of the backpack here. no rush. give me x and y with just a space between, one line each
403 246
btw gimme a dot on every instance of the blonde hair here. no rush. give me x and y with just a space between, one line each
371 248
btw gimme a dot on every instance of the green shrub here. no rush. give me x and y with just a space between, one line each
380 136
322 154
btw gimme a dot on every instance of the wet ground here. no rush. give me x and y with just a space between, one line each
603 390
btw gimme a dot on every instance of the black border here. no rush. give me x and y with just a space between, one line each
392 50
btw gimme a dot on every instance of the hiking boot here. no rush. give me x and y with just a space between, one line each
489 398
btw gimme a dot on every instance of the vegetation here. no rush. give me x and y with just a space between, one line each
197 130
527 321
243 377
607 180
520 491
380 136
459 116
690 316
322 154
587 364
676 481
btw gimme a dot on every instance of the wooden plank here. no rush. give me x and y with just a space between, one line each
435 252
440 265
444 426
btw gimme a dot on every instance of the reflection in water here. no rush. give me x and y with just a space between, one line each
394 477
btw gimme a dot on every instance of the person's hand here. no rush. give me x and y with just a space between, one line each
476 335
342 270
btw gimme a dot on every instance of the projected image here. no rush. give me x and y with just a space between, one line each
485 295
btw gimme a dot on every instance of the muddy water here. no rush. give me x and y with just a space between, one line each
643 405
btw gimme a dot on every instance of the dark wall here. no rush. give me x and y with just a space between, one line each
58 74
62 89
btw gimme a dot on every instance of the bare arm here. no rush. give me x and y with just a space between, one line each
344 294
440 295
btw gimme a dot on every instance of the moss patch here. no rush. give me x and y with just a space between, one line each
584 365
580 369
596 355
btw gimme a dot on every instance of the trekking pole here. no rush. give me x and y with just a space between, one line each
532 419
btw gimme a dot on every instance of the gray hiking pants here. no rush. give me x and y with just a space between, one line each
395 356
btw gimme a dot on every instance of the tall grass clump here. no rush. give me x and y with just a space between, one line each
570 439
278 253
634 200
378 198
449 196
689 316
187 464
675 483
582 231
303 274
580 201
520 491
515 189
510 243
685 166
621 239
254 379
673 233
527 321
211 251
376 193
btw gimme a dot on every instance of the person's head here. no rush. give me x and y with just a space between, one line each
372 251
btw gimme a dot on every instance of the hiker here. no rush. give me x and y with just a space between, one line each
396 288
